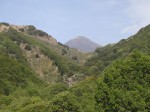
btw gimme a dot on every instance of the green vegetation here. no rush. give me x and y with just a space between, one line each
28 47
33 31
105 55
74 57
125 86
14 69
64 65
63 51
3 23
115 78
85 92
21 29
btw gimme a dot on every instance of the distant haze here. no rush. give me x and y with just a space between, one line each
82 43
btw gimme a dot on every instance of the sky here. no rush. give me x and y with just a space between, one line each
102 21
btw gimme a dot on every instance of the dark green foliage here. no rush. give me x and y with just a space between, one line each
21 29
75 58
3 23
63 51
28 47
33 31
37 56
126 85
65 46
41 33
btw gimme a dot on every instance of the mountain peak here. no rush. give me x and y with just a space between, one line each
82 43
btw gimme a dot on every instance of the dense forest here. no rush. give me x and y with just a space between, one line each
38 76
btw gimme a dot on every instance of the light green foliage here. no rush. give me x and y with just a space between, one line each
126 85
65 102
42 106
85 92
52 90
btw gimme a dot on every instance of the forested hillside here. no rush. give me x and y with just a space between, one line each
125 85
39 74
105 55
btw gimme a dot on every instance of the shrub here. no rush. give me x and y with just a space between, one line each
75 58
41 33
21 29
6 24
31 30
63 51
28 47
37 56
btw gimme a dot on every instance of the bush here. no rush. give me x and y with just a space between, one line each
28 47
65 102
41 33
21 29
75 58
37 56
6 24
125 85
31 30
63 51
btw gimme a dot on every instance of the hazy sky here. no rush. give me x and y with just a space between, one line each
103 21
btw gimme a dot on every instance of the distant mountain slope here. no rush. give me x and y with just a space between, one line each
104 56
83 44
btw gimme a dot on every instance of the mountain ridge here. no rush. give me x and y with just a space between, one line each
29 30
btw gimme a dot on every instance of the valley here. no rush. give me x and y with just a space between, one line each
39 74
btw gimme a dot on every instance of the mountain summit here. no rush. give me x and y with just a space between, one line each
83 44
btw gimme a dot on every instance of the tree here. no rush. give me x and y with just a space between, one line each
65 102
125 85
